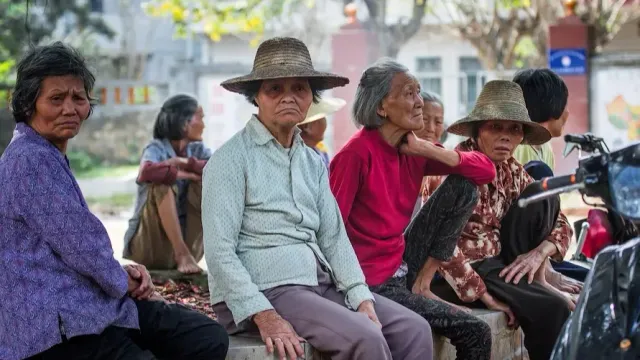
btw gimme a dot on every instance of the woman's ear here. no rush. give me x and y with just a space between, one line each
381 112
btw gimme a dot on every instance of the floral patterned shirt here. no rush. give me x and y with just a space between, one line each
480 238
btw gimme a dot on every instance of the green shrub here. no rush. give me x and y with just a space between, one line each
80 161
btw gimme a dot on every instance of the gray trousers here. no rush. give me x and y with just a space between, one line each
319 315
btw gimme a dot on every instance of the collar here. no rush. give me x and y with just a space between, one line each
261 135
377 138
26 131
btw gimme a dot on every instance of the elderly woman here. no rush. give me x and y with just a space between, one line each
279 255
499 260
313 127
432 130
165 231
376 178
64 294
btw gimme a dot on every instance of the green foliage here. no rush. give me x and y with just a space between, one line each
216 20
80 161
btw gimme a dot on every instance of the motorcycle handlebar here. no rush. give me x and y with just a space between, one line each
552 183
553 186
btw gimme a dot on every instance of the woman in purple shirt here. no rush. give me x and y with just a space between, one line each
64 295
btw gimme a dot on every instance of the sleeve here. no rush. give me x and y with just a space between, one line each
561 237
473 165
335 246
154 168
223 195
345 175
64 223
466 282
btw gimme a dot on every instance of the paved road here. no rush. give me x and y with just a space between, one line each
105 187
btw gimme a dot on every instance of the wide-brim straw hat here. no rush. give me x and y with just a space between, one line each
284 57
501 100
324 108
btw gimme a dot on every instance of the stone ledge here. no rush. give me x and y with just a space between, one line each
507 344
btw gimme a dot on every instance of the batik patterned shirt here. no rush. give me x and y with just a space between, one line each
480 238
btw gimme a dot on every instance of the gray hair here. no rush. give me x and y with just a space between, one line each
375 85
430 97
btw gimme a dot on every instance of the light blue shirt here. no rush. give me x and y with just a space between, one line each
268 217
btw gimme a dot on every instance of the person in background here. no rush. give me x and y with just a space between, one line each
376 178
165 231
433 130
315 125
279 256
64 295
546 96
498 262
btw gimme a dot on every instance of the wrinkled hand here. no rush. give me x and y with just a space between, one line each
494 304
525 264
367 308
179 162
187 175
140 285
413 145
275 330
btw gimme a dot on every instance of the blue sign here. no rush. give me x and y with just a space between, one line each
568 61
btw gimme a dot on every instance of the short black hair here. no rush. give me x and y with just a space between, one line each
251 91
545 93
176 111
39 63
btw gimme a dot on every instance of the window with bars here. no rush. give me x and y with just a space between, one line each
472 79
429 73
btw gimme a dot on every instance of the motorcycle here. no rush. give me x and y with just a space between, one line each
606 322
602 227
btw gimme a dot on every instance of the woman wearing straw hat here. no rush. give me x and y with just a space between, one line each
376 179
279 256
500 257
314 126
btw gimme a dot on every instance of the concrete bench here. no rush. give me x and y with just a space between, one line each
507 344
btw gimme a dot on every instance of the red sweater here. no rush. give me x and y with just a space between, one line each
376 188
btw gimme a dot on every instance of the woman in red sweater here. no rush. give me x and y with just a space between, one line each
376 179
165 231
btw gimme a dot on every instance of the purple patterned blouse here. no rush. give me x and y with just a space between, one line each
58 276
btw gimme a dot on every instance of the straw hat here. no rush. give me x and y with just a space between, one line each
322 109
284 57
501 100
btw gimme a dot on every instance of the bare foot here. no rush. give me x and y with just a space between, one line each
570 299
562 282
430 295
187 264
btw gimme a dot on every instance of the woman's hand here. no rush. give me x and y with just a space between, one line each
494 304
524 265
276 331
140 286
415 146
367 308
187 175
179 162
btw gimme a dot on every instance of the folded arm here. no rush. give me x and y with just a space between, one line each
472 165
48 202
336 247
223 194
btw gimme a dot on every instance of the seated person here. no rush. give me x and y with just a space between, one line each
499 260
546 95
165 231
315 125
279 257
432 130
64 294
376 178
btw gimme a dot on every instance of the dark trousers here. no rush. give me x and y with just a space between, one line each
541 313
539 170
434 233
167 331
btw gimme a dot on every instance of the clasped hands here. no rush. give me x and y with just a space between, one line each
139 284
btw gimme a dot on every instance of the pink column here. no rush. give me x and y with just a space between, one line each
572 33
353 49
